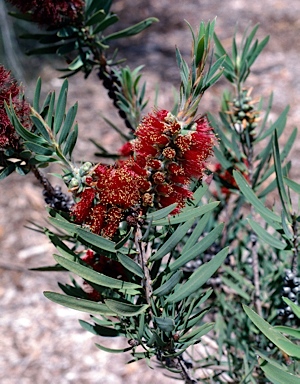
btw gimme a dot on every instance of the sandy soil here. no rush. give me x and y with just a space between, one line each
41 342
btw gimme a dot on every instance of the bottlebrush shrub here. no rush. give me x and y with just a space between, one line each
181 220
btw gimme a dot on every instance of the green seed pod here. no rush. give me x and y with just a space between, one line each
73 183
85 167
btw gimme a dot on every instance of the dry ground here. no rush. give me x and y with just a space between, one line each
41 342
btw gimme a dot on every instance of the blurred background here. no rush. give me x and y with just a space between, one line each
40 341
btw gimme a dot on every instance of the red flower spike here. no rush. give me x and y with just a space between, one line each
158 177
169 153
126 149
52 13
97 218
9 89
81 209
113 218
164 189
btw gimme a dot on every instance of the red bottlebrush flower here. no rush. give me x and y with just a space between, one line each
193 158
97 218
52 13
126 150
179 195
158 177
113 218
10 89
81 209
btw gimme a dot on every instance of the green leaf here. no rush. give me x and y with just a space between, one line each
173 240
39 124
253 199
110 350
196 333
292 184
67 126
197 231
96 277
124 309
91 239
131 265
99 329
70 142
288 331
7 171
198 278
133 30
96 18
266 236
198 248
187 213
168 286
161 213
79 304
279 177
277 375
61 107
38 149
272 334
236 288
165 324
37 95
295 308
109 20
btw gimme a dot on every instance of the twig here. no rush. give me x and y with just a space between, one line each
294 266
43 180
255 266
143 263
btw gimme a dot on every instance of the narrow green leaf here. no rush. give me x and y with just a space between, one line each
39 124
133 30
196 233
187 213
279 177
111 350
236 288
96 18
71 141
109 20
98 241
198 248
277 375
99 329
61 107
292 184
266 236
161 213
198 278
275 336
124 309
131 265
79 304
37 95
196 333
96 277
173 240
295 308
68 123
168 286
295 333
253 199
38 149
166 324
7 171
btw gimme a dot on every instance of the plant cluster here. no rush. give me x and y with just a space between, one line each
176 238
